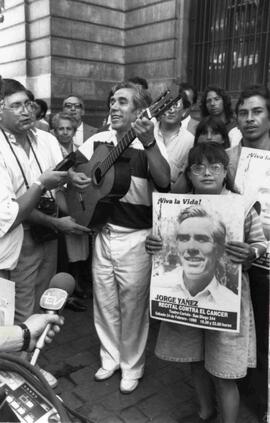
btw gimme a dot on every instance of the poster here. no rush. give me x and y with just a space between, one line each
253 181
193 282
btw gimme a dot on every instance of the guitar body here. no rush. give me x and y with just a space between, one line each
110 173
91 207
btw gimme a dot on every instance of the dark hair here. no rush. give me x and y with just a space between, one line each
43 108
251 91
184 86
141 98
227 105
218 127
30 95
109 98
139 81
185 100
12 86
212 151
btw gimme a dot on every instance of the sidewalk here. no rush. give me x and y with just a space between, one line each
164 395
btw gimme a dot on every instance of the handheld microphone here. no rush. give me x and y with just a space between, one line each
53 301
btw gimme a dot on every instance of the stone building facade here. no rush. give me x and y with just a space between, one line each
56 47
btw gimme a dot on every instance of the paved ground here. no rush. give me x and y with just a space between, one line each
165 394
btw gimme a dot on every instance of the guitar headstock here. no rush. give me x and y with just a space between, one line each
163 103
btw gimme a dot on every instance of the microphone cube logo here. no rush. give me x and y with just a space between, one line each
53 299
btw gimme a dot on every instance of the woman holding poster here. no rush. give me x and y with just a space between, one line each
216 357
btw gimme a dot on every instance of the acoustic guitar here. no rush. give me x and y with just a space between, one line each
109 172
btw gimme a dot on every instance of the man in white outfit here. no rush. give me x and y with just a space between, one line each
121 267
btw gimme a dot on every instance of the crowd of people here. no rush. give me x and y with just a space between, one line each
176 153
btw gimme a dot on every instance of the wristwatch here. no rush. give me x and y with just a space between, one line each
150 144
26 336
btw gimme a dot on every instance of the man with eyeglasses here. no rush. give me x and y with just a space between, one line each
26 154
176 139
23 261
74 106
201 244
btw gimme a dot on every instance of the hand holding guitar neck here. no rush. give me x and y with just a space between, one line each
144 130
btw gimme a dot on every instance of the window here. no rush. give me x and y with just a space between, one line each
230 45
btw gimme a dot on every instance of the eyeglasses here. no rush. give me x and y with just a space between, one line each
76 106
18 107
214 168
177 105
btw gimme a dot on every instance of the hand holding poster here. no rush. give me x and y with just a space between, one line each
193 281
253 181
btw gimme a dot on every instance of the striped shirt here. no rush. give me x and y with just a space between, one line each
253 231
134 209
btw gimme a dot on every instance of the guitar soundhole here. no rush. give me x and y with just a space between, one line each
98 175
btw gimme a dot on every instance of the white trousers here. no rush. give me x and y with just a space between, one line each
121 277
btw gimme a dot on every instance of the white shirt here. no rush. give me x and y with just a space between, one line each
177 149
184 122
47 151
78 137
12 186
214 295
235 136
10 242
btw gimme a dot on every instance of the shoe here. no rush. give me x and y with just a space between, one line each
75 304
51 380
128 385
103 374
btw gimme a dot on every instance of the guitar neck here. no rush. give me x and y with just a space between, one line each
117 151
162 104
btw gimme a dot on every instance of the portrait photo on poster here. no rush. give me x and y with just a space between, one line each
193 281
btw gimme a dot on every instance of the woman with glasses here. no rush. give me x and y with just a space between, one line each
210 129
217 358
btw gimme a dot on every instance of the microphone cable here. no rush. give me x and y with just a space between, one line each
33 376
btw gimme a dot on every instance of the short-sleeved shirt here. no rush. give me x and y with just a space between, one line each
13 186
10 241
134 209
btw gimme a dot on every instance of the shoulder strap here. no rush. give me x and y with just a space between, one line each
38 163
15 155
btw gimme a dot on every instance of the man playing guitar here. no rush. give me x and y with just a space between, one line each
121 267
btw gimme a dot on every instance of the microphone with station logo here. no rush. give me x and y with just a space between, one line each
53 301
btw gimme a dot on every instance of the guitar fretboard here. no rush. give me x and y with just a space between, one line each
116 152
